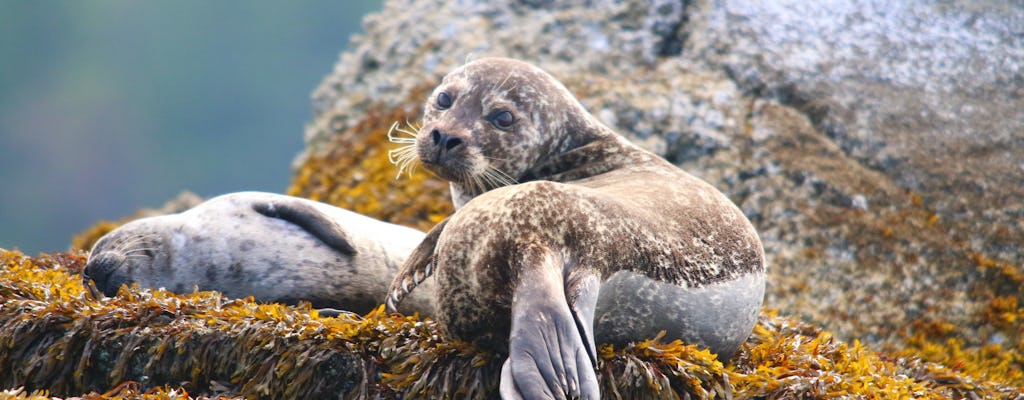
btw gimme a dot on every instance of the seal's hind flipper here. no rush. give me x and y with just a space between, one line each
550 352
419 266
309 219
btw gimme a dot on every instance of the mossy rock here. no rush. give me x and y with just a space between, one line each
55 339
849 245
889 211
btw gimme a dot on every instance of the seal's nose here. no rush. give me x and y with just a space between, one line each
100 268
445 143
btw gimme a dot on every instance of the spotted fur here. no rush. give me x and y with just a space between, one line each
269 246
589 228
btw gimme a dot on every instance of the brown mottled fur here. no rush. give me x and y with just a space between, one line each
586 195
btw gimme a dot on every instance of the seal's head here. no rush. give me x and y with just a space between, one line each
492 121
118 256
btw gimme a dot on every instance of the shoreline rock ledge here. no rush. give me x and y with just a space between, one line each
879 148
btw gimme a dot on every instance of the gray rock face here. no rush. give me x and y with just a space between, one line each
878 148
930 93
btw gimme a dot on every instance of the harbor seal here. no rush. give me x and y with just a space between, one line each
273 247
567 235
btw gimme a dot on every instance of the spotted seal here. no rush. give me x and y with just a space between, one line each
272 247
566 234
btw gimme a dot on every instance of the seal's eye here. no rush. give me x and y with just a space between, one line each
444 101
503 119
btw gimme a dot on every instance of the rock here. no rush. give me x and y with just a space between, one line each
878 148
918 109
55 339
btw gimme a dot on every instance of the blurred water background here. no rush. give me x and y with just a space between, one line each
109 106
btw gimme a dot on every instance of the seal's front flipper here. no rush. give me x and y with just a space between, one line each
309 219
581 289
419 266
550 348
334 312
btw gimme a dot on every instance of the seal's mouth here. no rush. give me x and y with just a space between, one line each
474 176
447 156
112 262
443 155
101 269
452 170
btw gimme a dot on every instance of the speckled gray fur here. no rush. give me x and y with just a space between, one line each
719 315
522 266
224 244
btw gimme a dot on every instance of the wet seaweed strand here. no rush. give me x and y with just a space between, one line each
56 340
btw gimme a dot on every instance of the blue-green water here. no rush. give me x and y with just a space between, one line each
109 106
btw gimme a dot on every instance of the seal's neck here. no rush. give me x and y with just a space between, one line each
587 148
596 157
460 195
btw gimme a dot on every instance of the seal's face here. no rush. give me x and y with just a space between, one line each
117 257
489 122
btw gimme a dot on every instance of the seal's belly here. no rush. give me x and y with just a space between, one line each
718 316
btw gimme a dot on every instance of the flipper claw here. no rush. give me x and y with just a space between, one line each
419 266
550 354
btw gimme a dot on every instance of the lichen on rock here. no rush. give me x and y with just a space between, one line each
875 147
354 172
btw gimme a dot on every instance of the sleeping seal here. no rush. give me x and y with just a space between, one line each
273 247
566 234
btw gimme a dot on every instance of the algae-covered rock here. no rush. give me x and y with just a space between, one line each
55 337
159 345
878 148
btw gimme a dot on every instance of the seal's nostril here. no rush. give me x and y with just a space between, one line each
452 142
446 142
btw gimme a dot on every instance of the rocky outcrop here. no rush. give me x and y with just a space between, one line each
878 148
57 339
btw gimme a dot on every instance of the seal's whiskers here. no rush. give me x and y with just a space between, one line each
477 181
502 84
499 176
403 157
139 250
132 241
400 154
395 127
142 252
492 181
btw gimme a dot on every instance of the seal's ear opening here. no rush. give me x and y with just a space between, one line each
309 219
